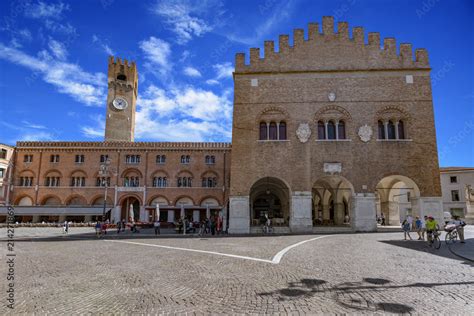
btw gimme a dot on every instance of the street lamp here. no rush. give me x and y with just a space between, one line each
103 172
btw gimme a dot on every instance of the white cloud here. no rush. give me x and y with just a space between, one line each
180 17
96 131
212 82
223 71
192 72
157 52
277 14
186 114
68 78
58 49
27 124
43 10
106 48
36 136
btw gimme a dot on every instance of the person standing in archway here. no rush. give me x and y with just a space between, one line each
383 220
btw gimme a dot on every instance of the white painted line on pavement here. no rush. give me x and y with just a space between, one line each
276 259
192 250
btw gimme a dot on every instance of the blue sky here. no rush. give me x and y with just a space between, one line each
53 62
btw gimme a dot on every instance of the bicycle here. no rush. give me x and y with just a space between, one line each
433 239
267 229
451 236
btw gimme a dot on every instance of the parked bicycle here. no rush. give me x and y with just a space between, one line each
267 229
433 239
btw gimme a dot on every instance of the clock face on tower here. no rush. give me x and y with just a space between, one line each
120 103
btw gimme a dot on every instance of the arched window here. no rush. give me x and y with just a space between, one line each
321 130
263 131
273 131
282 130
401 130
160 159
381 129
331 130
391 130
341 130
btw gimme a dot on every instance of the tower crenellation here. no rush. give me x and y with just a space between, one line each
330 49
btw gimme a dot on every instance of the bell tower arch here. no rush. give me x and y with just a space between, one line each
121 100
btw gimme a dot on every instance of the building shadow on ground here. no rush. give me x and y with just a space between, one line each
357 296
420 245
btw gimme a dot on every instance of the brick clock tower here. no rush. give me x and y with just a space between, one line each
121 100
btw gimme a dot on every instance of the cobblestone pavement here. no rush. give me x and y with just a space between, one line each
345 273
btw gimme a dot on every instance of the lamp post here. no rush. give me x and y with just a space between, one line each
103 172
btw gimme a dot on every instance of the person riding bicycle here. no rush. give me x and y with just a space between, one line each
432 228
458 225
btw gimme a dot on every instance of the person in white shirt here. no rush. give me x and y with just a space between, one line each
459 227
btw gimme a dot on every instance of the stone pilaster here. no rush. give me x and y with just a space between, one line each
363 212
300 212
239 218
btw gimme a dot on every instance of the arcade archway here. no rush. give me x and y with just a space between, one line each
396 197
130 209
331 201
269 197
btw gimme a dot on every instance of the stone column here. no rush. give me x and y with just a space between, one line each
116 214
88 218
239 217
268 130
363 212
393 213
385 126
326 130
62 218
396 129
36 219
171 216
196 216
337 129
326 214
278 130
384 209
339 213
142 214
300 212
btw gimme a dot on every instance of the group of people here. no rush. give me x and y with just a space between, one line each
121 226
429 226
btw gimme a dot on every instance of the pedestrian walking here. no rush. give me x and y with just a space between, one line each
98 229
406 229
156 225
383 220
104 229
418 227
66 227
119 227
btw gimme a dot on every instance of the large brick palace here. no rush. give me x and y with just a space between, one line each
328 131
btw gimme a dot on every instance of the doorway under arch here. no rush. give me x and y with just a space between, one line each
269 197
130 205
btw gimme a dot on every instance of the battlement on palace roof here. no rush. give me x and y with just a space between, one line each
332 51
123 145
